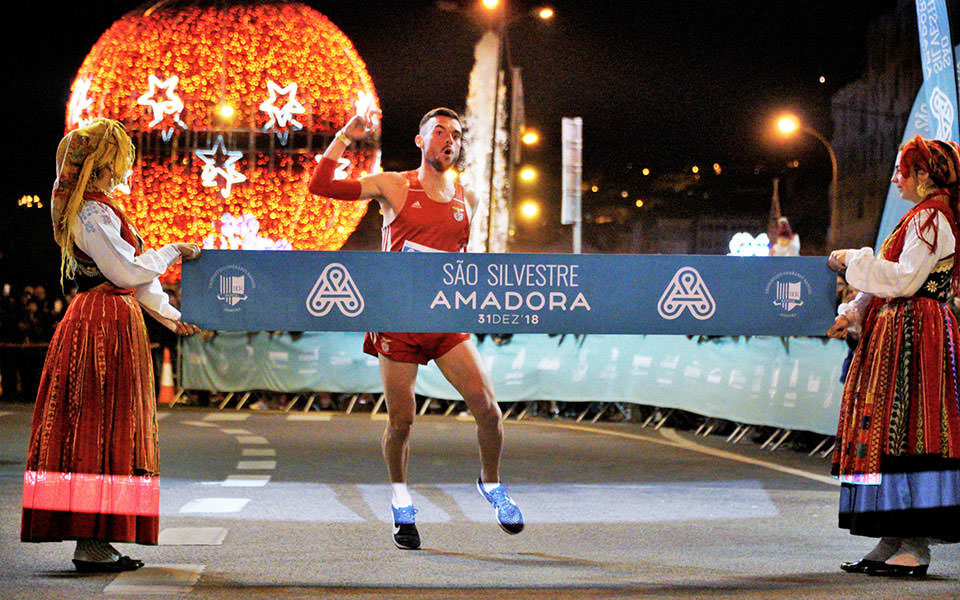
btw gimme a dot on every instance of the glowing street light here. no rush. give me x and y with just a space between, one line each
788 125
529 209
528 174
545 13
530 137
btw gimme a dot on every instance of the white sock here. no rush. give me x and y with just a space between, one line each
913 551
400 495
95 551
884 549
489 487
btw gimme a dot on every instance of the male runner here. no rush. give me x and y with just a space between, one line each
425 211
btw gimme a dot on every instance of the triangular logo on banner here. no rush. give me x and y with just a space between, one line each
686 291
335 287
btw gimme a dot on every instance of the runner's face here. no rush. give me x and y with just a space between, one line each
440 141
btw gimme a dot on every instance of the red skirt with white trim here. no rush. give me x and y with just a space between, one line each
92 464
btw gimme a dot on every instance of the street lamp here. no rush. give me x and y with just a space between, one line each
502 20
789 125
530 209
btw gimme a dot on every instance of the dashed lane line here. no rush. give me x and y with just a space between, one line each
156 580
256 465
192 536
258 452
222 416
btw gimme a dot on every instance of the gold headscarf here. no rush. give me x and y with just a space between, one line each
95 158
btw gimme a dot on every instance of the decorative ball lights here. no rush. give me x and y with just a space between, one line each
229 107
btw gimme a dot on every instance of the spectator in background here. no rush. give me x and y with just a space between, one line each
786 242
10 335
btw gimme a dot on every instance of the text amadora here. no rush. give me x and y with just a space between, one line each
511 301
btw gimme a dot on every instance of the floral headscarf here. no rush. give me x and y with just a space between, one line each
95 158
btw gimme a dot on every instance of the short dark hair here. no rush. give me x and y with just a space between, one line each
439 112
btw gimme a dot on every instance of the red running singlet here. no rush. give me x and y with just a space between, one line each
425 225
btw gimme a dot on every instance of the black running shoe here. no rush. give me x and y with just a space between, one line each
405 534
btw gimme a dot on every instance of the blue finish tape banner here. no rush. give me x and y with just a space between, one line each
239 290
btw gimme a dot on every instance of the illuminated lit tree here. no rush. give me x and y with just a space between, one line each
229 106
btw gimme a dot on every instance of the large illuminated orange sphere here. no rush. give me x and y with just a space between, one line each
229 106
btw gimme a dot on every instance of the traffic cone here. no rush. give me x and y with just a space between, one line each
166 380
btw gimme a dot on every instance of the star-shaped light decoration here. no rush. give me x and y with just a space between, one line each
169 104
79 103
280 116
214 168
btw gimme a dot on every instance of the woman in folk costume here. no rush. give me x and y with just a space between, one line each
898 439
786 242
92 464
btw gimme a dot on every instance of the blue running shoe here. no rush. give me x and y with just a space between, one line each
405 534
508 514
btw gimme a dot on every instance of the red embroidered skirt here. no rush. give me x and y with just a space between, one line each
898 438
92 464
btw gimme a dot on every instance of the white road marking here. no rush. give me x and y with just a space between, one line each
226 416
192 536
252 440
256 465
258 452
197 424
246 481
214 505
156 580
236 432
309 417
377 498
624 502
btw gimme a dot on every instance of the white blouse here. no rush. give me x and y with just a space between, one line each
901 279
97 233
791 248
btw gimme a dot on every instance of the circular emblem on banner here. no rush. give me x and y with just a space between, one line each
231 284
788 292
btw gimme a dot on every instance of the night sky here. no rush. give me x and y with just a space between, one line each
660 84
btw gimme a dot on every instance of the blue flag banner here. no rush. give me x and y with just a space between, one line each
934 112
936 57
238 290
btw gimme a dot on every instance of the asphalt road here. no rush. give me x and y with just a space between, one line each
276 505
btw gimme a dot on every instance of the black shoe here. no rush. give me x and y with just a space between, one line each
124 563
860 566
405 534
888 570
